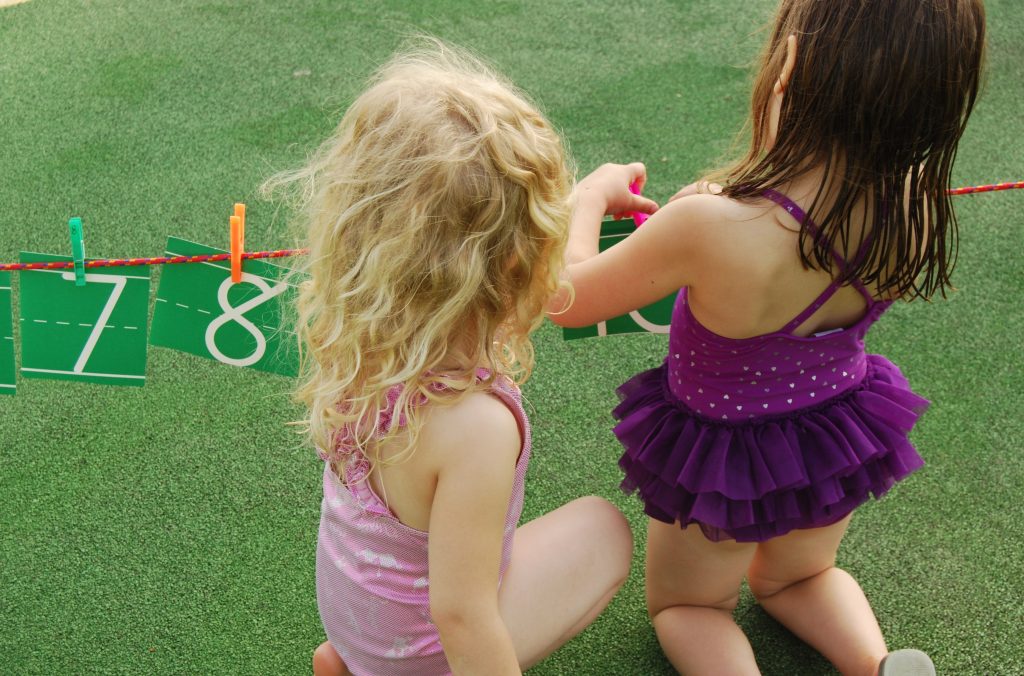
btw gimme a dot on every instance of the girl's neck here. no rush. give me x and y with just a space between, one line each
805 187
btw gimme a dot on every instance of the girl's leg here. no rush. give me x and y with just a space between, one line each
795 580
692 588
326 662
566 566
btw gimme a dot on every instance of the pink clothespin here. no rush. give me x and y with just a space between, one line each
638 216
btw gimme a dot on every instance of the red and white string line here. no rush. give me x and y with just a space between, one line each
285 253
160 260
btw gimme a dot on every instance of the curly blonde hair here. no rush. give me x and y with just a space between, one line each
436 217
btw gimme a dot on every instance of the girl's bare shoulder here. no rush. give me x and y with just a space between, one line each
724 227
476 424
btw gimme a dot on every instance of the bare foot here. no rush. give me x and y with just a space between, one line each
327 663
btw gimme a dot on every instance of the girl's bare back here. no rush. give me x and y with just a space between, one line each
753 281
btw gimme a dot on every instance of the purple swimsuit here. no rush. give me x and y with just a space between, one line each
752 438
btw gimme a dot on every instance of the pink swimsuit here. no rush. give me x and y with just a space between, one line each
372 583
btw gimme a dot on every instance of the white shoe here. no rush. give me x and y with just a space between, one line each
908 662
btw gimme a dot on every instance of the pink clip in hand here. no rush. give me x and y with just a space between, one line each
638 216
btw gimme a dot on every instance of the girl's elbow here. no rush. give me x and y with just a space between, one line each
567 317
557 318
563 311
449 620
567 321
557 312
458 618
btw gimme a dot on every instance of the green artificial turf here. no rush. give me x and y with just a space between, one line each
171 528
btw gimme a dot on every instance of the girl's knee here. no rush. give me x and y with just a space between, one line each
610 532
657 605
326 661
603 515
764 587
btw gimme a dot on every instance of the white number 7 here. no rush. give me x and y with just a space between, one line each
119 283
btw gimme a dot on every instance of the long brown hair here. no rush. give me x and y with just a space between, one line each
879 99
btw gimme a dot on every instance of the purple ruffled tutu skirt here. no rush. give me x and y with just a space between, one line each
757 480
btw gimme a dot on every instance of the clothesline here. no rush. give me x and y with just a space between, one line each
285 253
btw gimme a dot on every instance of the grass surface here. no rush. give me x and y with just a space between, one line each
171 528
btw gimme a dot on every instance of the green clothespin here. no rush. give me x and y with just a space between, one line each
77 249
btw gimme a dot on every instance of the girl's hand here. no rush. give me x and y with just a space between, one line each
607 189
698 188
604 191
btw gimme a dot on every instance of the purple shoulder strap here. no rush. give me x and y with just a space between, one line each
803 219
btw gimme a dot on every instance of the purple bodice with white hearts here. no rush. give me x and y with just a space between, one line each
737 380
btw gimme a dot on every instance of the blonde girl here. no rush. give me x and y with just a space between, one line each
437 215
768 423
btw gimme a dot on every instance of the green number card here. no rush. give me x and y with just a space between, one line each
199 311
94 333
654 318
7 373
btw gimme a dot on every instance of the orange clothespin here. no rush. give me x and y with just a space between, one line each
237 242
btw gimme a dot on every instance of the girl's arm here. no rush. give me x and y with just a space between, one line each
477 443
652 262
